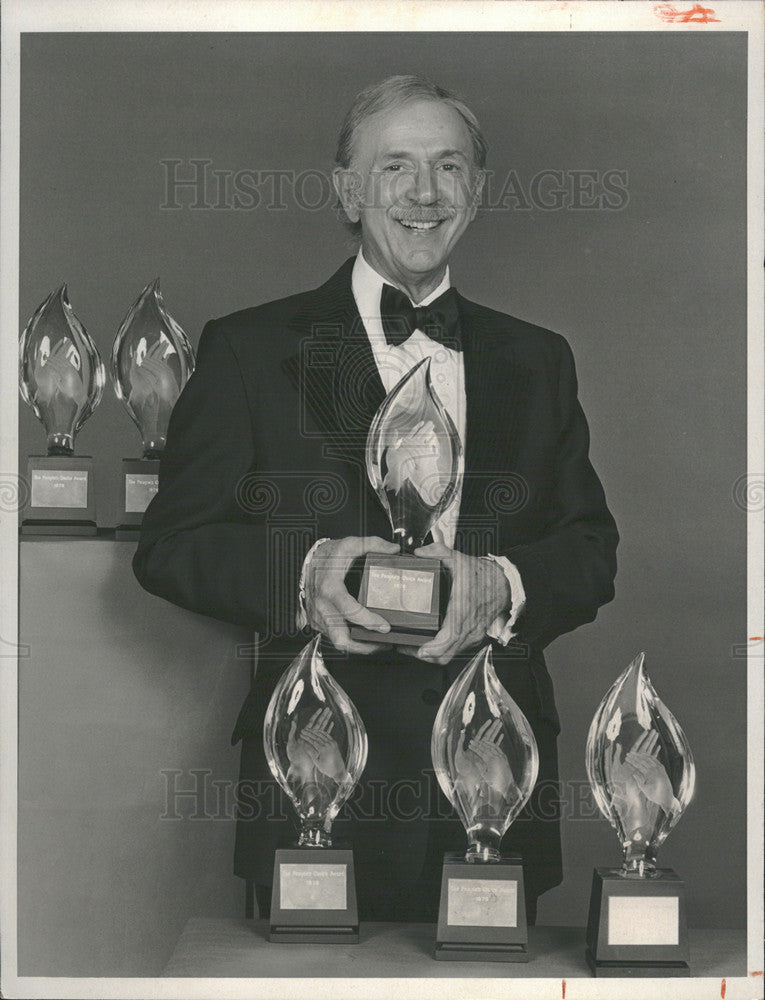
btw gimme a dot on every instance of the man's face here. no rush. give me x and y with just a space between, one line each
413 185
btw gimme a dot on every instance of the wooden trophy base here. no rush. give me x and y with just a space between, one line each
61 496
405 591
140 482
637 927
482 916
314 896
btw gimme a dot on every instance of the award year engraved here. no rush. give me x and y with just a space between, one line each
477 902
57 488
140 488
313 887
399 590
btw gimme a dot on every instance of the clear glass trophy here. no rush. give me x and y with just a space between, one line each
642 775
152 360
414 463
61 376
316 747
486 761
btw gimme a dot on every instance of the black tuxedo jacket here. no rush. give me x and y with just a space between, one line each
265 454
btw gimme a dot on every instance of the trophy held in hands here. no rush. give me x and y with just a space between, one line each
61 376
642 774
414 462
152 360
486 761
316 747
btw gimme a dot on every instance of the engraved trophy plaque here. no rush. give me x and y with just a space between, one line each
414 463
152 360
316 747
642 775
486 761
61 376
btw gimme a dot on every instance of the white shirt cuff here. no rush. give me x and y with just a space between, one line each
301 618
501 628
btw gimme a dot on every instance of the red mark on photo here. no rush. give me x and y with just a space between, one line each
696 15
563 990
722 989
755 638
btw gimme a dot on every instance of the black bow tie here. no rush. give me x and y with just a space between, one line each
439 320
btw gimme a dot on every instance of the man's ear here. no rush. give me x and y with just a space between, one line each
348 187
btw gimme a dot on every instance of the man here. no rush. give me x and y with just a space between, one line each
264 509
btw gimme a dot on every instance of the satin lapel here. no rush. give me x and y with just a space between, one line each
497 388
334 370
339 386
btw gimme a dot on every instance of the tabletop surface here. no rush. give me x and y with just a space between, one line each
228 947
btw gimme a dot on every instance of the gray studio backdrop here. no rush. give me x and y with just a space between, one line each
647 282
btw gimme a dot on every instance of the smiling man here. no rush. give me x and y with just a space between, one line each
264 510
414 180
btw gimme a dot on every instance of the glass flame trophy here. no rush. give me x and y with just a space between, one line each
486 761
414 462
316 747
642 774
152 360
61 376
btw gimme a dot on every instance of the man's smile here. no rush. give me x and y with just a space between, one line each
423 227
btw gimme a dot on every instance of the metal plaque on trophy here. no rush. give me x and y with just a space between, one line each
486 761
152 360
61 376
316 747
642 775
414 462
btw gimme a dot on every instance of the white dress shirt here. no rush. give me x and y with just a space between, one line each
447 372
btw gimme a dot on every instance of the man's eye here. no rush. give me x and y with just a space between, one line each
391 167
449 166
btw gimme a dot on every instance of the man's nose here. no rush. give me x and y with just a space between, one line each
425 188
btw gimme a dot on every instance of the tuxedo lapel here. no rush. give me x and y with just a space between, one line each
335 375
334 369
497 389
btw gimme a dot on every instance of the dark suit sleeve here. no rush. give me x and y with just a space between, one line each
200 548
569 572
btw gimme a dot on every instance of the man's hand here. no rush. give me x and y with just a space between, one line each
480 592
329 606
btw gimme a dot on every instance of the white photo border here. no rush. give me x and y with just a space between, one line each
19 16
